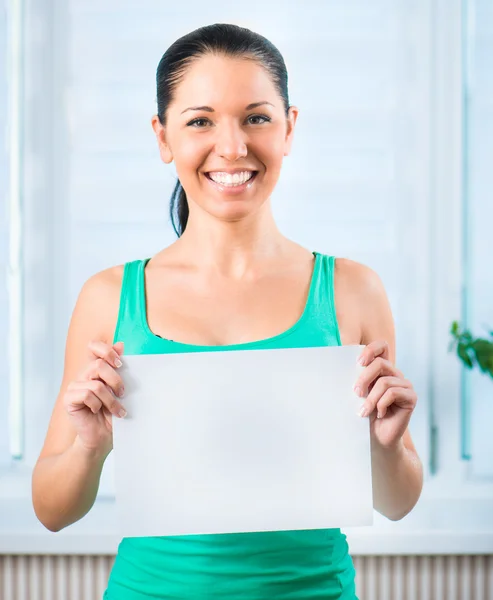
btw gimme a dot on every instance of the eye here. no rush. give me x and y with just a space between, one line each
195 121
265 119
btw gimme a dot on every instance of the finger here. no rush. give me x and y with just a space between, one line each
100 369
107 398
98 349
380 367
119 347
86 389
74 401
404 397
382 384
374 350
93 403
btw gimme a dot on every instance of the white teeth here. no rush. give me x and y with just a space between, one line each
231 180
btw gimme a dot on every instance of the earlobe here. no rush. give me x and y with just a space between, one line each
166 155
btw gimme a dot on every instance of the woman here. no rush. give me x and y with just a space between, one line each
231 281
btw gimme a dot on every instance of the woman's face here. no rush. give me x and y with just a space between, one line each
227 152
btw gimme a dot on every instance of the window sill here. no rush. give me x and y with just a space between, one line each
436 526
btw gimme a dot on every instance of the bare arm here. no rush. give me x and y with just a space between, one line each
66 476
65 486
397 471
397 479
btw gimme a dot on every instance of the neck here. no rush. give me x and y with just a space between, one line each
231 248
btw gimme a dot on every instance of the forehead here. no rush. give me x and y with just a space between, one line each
220 80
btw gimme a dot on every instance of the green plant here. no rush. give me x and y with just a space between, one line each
472 351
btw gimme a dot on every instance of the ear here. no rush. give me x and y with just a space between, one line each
291 122
164 149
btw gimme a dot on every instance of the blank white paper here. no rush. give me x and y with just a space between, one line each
242 441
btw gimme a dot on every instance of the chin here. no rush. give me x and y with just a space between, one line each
235 215
235 210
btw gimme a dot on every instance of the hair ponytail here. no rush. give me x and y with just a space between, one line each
178 209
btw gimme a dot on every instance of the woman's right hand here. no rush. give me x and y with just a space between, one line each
92 399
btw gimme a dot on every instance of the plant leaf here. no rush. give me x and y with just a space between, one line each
483 349
472 351
464 356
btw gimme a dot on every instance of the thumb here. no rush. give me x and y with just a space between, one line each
119 347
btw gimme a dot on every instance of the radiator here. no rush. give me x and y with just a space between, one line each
377 577
53 577
424 577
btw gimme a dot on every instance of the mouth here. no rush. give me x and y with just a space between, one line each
232 185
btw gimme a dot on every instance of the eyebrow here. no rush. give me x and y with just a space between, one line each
209 109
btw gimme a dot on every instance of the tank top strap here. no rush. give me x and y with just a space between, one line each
129 324
323 296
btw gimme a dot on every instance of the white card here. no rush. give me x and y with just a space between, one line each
241 441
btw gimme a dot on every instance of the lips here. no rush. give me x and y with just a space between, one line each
232 190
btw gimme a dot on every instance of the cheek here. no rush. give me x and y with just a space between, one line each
276 145
275 157
189 155
269 150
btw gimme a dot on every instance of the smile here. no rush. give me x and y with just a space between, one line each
230 179
233 184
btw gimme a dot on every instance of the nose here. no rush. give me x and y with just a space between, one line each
231 142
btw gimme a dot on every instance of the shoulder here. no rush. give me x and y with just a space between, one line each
107 281
358 278
98 302
360 289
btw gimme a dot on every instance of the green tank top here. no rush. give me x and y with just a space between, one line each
301 564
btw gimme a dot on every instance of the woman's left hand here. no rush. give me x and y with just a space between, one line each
390 398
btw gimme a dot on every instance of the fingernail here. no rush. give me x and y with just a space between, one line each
121 393
122 413
357 390
362 411
118 363
361 361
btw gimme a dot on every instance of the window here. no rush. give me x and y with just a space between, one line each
374 175
477 314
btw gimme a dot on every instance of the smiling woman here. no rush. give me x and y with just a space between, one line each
225 130
231 281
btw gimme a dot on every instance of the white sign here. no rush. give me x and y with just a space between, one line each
242 441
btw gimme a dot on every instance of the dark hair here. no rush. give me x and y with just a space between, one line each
228 40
